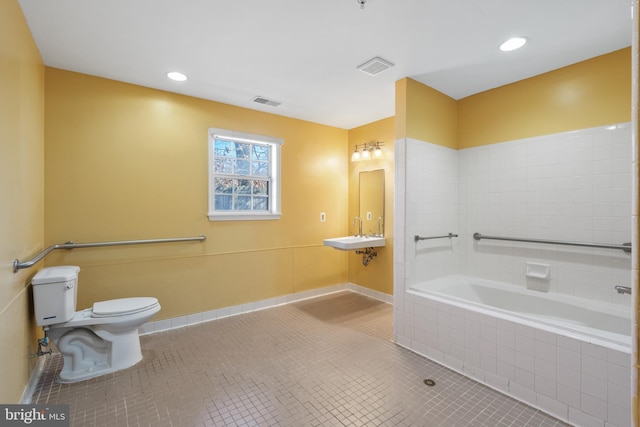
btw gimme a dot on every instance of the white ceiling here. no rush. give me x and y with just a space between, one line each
304 53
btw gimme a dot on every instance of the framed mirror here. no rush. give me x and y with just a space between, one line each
371 208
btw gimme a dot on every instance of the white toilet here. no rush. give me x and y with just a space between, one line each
94 341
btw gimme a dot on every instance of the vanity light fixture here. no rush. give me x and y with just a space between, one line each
177 76
368 151
513 44
355 157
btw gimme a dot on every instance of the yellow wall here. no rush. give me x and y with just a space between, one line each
21 194
591 93
378 275
127 162
425 114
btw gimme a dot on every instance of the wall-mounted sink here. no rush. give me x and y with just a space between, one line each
350 243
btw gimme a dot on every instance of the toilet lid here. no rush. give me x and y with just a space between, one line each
122 306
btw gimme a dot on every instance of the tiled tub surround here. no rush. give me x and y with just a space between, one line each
595 322
578 381
555 361
572 186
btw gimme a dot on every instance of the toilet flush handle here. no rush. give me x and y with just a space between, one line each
69 286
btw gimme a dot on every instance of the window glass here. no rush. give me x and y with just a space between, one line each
244 176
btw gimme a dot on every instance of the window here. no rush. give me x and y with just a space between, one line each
244 176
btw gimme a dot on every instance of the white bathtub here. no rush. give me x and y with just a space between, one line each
565 355
596 322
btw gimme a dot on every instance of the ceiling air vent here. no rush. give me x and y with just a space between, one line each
375 66
265 101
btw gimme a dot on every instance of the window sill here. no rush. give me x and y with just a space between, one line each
243 216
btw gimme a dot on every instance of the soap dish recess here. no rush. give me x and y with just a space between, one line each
538 270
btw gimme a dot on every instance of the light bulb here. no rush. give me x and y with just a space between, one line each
355 157
378 154
366 155
177 76
513 44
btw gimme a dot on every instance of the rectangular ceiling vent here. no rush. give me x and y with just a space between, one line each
265 101
375 66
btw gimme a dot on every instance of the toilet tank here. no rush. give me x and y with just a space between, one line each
55 290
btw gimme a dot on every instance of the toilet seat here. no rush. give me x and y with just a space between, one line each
122 306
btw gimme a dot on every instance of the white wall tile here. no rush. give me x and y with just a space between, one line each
594 387
545 351
545 369
545 386
505 354
573 186
193 319
525 344
597 368
595 351
568 359
577 167
568 395
525 394
569 377
178 322
161 325
505 370
552 406
619 375
525 361
496 381
582 419
618 416
621 396
505 338
593 406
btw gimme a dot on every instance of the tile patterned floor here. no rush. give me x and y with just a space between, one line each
322 362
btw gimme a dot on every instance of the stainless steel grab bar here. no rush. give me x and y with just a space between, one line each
623 289
417 238
17 265
625 246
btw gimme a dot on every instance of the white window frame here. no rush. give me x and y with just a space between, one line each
274 144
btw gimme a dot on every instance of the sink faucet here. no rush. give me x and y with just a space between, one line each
623 289
380 219
359 226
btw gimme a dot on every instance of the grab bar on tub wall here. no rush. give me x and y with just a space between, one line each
625 246
17 265
623 289
417 238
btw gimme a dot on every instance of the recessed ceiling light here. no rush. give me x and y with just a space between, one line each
513 44
179 77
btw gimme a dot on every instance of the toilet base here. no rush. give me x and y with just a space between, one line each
92 353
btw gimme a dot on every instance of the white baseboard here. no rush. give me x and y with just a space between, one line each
380 296
207 316
27 394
